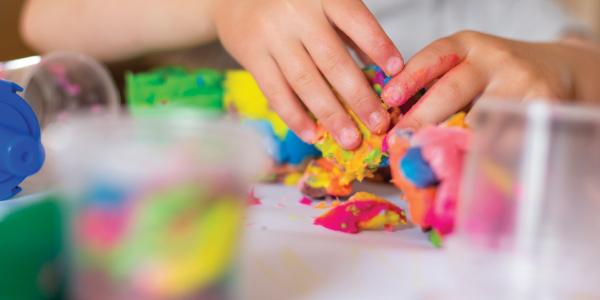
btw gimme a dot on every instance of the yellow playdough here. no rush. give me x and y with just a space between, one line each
243 95
356 164
208 257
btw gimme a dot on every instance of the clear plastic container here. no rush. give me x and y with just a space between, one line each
156 204
61 83
528 225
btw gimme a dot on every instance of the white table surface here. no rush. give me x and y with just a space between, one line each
287 257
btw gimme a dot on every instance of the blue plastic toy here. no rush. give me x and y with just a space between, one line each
21 150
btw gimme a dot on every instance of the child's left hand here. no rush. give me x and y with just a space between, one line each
460 68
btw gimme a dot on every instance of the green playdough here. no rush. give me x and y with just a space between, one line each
435 238
31 244
175 87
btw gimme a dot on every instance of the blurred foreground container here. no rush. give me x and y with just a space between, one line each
156 203
528 225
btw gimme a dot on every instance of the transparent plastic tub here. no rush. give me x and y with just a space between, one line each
61 83
156 203
528 225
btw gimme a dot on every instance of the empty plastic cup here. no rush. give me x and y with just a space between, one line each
528 221
61 83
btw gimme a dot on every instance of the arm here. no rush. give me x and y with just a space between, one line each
116 29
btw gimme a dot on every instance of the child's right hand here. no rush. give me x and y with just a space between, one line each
296 50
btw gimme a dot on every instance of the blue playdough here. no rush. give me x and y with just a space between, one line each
416 169
21 150
290 150
294 151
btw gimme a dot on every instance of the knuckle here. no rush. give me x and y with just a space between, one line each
276 98
546 90
468 35
378 39
453 90
504 54
413 122
265 22
303 78
360 98
294 119
332 61
525 73
439 47
290 114
330 117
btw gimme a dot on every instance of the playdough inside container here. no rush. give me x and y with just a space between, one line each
528 220
156 203
58 84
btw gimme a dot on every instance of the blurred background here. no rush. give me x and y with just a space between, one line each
11 46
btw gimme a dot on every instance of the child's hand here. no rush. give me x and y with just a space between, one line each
468 65
296 48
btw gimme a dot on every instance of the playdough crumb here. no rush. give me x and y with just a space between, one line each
305 201
292 179
322 205
252 199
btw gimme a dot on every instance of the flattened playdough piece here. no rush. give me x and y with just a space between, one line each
363 211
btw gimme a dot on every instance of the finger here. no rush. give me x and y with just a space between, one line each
336 64
453 92
283 100
354 18
304 77
364 58
426 66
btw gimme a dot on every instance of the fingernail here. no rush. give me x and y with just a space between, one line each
348 137
309 136
377 120
394 65
392 96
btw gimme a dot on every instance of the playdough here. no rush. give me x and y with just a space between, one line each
175 87
427 167
363 211
342 167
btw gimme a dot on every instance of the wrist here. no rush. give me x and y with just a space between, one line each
582 65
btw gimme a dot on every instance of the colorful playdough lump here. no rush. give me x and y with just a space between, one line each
343 167
363 211
427 166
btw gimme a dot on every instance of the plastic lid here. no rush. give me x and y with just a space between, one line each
21 150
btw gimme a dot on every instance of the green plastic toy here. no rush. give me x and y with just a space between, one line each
31 243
